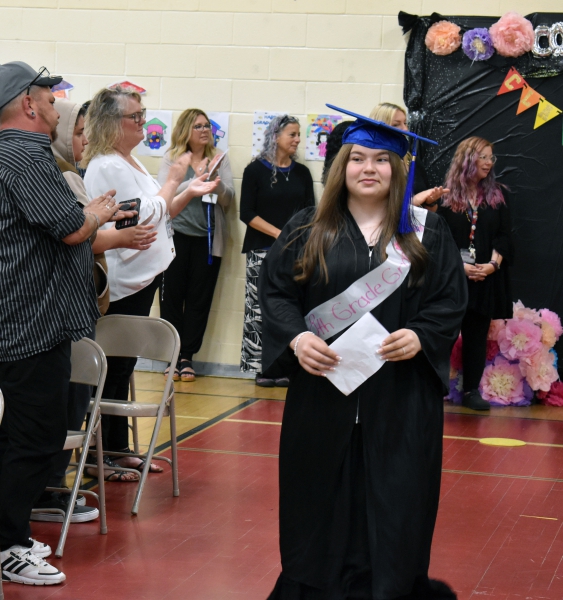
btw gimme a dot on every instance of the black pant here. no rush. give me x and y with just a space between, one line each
474 330
115 433
32 433
187 291
79 396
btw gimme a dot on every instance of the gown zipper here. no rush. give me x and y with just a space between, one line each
370 248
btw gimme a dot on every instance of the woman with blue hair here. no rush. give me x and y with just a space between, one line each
274 188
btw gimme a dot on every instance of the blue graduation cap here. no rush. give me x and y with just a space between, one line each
370 133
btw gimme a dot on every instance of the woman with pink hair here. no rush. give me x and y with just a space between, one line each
476 211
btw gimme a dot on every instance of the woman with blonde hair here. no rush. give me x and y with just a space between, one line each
396 116
477 213
360 468
200 236
114 127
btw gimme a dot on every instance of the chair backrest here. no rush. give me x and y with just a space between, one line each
88 363
140 337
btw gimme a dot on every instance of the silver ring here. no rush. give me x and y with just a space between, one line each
108 206
404 351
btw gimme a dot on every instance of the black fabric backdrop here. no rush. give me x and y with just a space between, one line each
449 98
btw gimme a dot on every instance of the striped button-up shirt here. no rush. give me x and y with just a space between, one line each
47 289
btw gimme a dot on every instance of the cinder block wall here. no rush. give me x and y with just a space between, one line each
235 56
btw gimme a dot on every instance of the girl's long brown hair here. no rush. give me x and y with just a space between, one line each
329 223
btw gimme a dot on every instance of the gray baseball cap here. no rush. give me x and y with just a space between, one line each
16 77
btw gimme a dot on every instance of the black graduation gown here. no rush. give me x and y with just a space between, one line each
491 297
400 410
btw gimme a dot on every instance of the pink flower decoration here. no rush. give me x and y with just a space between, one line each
455 359
548 338
548 316
522 312
443 38
496 326
539 371
502 383
519 339
492 350
512 35
555 395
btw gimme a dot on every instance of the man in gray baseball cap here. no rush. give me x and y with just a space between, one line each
17 77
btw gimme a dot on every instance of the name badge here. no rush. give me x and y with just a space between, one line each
169 227
210 198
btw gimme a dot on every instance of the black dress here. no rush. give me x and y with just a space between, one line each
358 500
491 297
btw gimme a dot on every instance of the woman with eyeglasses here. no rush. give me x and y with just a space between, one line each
274 188
200 235
114 126
477 213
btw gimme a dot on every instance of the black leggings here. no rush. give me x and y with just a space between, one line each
474 330
187 291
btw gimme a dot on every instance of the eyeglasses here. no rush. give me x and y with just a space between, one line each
199 127
137 117
492 159
43 71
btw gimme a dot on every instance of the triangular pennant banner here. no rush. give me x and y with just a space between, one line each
528 99
546 112
512 81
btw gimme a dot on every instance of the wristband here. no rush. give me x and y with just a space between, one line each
495 264
297 340
431 204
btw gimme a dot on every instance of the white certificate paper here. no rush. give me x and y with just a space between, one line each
358 349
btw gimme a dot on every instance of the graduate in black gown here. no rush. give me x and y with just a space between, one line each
360 474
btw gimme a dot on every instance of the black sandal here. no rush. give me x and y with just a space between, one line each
187 372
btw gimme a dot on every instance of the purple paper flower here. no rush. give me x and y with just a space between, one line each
477 44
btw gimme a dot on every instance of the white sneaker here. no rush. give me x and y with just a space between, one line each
40 549
20 565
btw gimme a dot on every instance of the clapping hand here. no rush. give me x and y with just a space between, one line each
139 237
199 186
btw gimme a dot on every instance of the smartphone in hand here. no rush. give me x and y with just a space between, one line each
126 205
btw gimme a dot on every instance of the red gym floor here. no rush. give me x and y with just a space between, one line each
499 532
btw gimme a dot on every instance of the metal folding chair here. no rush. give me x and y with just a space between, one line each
89 367
155 339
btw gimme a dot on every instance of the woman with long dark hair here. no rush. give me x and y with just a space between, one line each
360 472
477 213
274 188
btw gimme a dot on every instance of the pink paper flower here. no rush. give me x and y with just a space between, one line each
548 337
512 35
538 370
555 395
443 38
496 326
548 316
455 359
519 339
522 312
492 350
502 383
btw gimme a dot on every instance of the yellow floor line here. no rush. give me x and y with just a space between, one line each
472 439
544 518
